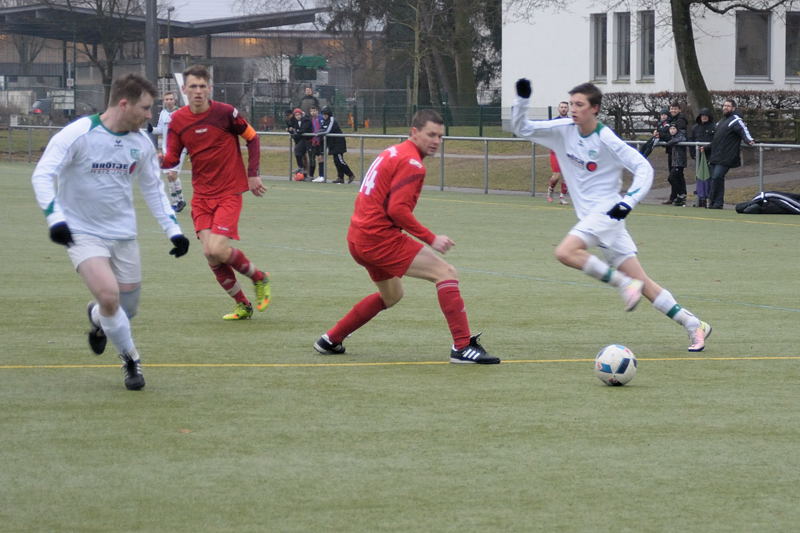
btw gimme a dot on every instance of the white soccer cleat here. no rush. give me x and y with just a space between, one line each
320 179
698 337
631 293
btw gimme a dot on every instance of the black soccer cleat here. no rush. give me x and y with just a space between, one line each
97 338
132 371
473 353
326 347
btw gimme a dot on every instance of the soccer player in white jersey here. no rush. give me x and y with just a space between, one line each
173 181
592 158
84 185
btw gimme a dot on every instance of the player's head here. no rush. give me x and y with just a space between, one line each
427 130
563 109
170 99
584 102
197 86
133 95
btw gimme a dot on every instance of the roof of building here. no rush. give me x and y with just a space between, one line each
87 26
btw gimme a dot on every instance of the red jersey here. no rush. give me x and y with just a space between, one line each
212 140
388 195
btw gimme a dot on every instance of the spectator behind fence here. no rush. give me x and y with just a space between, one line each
315 146
678 162
308 100
337 146
662 134
300 125
702 131
725 151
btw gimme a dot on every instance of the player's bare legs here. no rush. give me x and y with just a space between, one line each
632 282
223 259
109 315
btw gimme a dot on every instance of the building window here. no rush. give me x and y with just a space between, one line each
647 45
792 44
752 44
599 39
622 45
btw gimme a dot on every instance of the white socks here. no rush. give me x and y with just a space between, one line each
118 329
600 270
666 303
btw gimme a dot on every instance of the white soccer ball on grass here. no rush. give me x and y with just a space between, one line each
615 365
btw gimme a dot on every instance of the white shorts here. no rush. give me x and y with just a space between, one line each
123 255
610 235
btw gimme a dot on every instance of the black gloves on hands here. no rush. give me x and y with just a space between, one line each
619 211
524 88
181 245
60 234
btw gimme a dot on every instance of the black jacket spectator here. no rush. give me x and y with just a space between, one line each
678 153
336 145
725 145
702 131
680 121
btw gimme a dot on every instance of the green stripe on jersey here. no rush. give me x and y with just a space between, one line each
50 208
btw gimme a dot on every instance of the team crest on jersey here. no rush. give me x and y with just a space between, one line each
135 153
591 166
593 154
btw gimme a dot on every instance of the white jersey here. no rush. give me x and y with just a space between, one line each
164 118
592 165
85 177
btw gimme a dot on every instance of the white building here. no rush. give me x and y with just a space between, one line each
630 49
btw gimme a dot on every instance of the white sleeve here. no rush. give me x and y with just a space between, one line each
153 192
161 127
634 162
545 132
45 176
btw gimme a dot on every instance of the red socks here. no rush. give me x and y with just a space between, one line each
454 312
360 314
227 279
242 264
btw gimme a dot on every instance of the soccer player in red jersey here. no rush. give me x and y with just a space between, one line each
378 240
210 132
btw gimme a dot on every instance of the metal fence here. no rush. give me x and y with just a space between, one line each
26 143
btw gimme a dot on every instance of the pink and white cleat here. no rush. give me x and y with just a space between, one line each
631 293
698 337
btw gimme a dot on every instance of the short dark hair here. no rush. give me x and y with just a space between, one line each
130 88
198 71
731 100
675 104
423 116
173 93
592 93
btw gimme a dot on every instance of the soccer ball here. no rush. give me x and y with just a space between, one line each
615 365
299 176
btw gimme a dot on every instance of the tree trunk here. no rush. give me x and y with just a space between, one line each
463 37
683 35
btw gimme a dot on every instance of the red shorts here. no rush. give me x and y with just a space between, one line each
220 215
554 163
388 259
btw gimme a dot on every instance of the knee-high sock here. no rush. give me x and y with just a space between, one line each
666 303
452 306
227 279
242 264
118 329
599 269
360 314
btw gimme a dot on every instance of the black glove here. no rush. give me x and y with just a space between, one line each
619 211
181 245
60 234
524 87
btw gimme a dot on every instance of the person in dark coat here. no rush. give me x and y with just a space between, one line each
337 146
728 135
678 163
300 125
702 131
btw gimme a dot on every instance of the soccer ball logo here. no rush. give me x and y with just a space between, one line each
615 365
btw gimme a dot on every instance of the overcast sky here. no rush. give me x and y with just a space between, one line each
191 10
